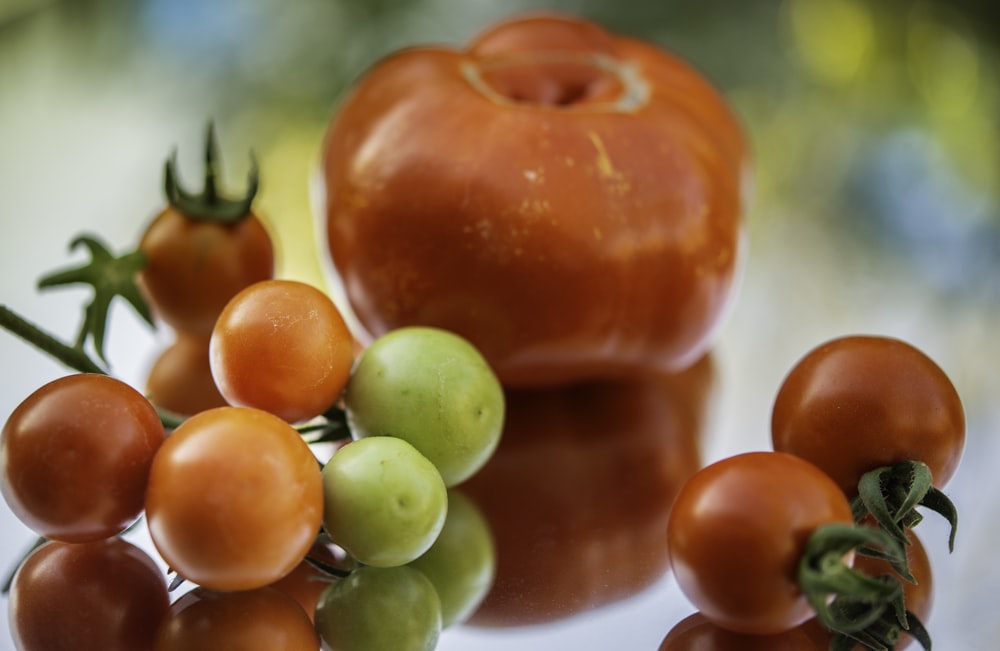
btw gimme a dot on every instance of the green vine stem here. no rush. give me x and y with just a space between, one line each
850 603
891 495
209 205
70 356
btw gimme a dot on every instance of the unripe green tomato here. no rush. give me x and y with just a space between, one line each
462 561
377 609
384 502
433 389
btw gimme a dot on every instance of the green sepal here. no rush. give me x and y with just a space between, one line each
110 276
209 206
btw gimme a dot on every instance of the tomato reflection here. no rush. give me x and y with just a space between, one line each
579 492
696 633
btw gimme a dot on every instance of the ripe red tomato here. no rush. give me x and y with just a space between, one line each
263 618
283 347
588 474
106 595
201 250
235 499
737 532
75 456
568 200
857 403
180 379
698 633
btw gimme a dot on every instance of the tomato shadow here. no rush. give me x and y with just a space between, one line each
579 491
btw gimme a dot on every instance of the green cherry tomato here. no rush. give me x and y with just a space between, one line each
375 609
384 502
433 389
462 561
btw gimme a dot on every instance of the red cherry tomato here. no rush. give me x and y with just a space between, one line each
857 403
75 456
181 381
737 532
283 347
235 499
578 493
106 595
698 633
568 200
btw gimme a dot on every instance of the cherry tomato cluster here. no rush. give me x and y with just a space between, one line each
813 540
236 499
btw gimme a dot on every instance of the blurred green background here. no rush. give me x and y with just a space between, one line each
875 127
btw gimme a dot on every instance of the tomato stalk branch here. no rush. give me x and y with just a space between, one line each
71 356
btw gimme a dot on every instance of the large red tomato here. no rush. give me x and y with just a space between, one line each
568 200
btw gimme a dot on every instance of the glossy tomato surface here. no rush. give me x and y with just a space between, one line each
283 347
180 380
579 492
75 456
107 595
193 267
235 499
568 200
857 403
698 633
737 532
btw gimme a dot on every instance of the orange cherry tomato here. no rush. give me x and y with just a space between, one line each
737 532
283 347
235 499
75 456
180 379
201 250
568 200
264 618
578 493
858 403
106 595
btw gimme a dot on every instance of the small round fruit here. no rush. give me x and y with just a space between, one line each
385 503
462 561
263 618
235 499
107 595
180 380
375 609
433 389
75 456
281 346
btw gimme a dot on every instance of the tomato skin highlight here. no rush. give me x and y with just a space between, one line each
75 456
566 235
235 499
737 532
858 403
194 267
106 595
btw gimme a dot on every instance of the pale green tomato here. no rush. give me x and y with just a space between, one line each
433 389
384 502
380 609
462 561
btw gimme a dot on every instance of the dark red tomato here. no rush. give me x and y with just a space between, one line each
181 378
253 620
567 199
107 595
75 457
698 633
737 532
918 595
578 493
202 249
857 403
